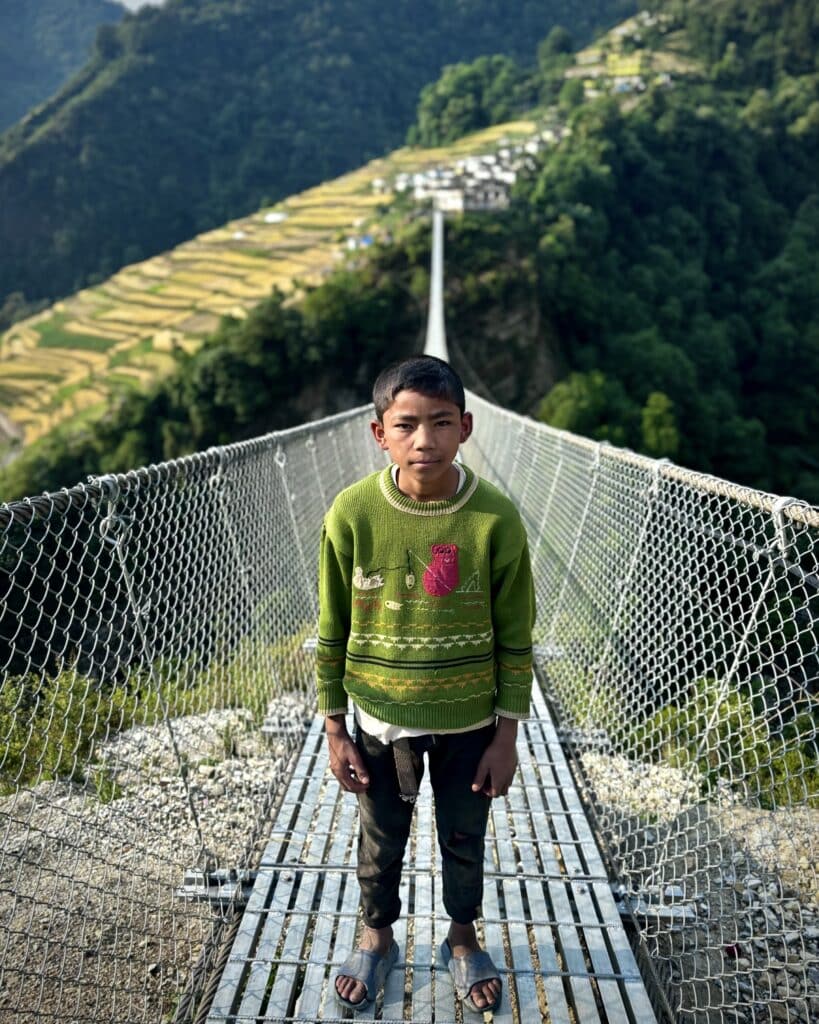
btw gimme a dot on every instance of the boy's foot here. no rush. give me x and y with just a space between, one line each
352 990
463 941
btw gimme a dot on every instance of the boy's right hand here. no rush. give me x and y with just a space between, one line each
345 758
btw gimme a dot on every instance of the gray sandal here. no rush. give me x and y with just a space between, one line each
468 971
371 969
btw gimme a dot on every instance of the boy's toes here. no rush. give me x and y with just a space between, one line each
350 989
484 993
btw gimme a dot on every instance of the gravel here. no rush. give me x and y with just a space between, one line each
748 950
93 928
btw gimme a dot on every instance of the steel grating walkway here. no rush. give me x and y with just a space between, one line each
551 922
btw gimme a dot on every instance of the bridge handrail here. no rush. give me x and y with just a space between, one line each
155 635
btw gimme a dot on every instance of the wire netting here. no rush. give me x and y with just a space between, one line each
156 641
678 635
157 678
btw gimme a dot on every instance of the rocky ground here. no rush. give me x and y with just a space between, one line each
726 895
92 926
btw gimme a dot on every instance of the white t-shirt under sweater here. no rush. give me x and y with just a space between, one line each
383 730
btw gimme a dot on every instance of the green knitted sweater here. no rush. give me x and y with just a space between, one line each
426 608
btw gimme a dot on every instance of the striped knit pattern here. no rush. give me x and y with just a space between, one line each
426 608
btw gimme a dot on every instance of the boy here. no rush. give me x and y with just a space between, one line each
426 613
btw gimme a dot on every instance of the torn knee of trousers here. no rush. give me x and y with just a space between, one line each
463 839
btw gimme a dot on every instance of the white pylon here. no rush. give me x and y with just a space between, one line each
436 331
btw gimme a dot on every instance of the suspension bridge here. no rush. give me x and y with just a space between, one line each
174 848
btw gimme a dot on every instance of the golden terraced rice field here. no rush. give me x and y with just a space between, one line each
84 349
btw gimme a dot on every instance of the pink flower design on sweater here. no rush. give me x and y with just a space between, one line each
441 575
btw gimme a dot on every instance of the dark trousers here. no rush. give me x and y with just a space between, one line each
460 817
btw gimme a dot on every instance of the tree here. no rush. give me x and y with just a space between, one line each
571 94
660 435
557 43
592 405
465 98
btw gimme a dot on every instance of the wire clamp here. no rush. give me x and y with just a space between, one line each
220 887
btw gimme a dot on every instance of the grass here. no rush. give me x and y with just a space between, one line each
67 391
18 372
77 326
88 403
130 381
51 727
719 734
54 335
129 355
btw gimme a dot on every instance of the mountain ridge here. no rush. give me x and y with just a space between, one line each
42 43
200 110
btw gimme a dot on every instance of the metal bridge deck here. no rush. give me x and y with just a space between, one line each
550 922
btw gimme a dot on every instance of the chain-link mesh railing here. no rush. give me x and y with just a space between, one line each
155 637
678 634
155 683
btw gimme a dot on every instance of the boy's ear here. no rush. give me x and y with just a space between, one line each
377 427
466 426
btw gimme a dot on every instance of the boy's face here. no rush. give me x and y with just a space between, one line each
422 435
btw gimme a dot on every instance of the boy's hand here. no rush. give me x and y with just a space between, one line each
345 759
496 768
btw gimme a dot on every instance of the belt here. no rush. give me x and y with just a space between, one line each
405 769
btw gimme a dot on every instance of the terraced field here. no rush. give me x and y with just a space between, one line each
74 358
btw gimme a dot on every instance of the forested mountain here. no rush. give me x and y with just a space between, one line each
669 247
42 43
200 110
654 283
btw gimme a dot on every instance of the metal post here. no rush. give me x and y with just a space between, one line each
436 332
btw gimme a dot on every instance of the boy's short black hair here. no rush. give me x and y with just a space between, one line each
427 375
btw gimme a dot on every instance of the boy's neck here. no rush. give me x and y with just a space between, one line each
438 491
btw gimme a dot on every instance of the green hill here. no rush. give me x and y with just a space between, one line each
42 43
201 110
75 360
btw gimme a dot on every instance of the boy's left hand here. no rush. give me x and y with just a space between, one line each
496 768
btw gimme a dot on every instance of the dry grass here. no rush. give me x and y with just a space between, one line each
162 301
178 290
94 328
216 265
134 315
84 398
24 366
235 258
203 322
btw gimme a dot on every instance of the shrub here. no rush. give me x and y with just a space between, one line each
719 735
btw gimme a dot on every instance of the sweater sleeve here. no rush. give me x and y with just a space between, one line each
335 581
513 616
